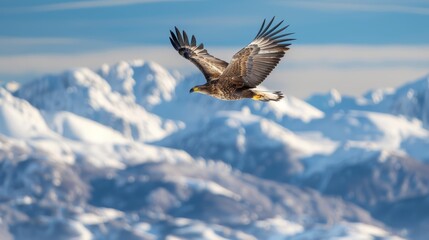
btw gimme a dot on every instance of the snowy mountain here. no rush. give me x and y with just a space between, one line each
85 93
410 100
125 152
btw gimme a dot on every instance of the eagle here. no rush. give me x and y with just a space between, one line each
248 68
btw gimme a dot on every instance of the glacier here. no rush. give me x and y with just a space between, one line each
125 152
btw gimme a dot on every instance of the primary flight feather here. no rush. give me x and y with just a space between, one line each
248 68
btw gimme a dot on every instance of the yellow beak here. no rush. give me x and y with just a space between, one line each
194 89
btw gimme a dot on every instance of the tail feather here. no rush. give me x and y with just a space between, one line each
267 96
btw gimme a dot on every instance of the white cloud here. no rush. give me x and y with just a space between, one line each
366 6
41 63
88 4
304 70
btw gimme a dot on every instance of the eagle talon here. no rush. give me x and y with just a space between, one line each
257 97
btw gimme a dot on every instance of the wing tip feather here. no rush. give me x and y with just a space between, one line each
272 33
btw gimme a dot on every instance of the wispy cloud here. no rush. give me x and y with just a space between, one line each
362 6
88 4
306 69
32 41
32 45
358 55
352 81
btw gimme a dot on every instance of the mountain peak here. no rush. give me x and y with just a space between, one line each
87 94
410 100
147 82
327 100
14 117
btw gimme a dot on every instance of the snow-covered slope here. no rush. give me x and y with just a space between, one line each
245 141
359 133
156 199
347 231
18 118
70 126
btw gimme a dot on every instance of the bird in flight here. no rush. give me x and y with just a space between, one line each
248 68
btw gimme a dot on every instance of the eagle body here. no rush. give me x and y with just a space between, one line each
248 68
223 90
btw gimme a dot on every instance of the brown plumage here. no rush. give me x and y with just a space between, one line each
248 68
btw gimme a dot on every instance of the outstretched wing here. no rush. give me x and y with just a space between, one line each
211 67
252 64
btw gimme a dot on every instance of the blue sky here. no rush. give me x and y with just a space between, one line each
343 40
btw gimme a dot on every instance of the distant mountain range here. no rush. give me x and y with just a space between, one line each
125 152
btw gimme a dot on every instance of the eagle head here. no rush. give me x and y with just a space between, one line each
200 89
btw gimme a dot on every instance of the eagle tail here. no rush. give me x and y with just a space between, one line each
266 95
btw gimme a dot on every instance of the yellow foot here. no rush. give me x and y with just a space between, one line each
257 97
